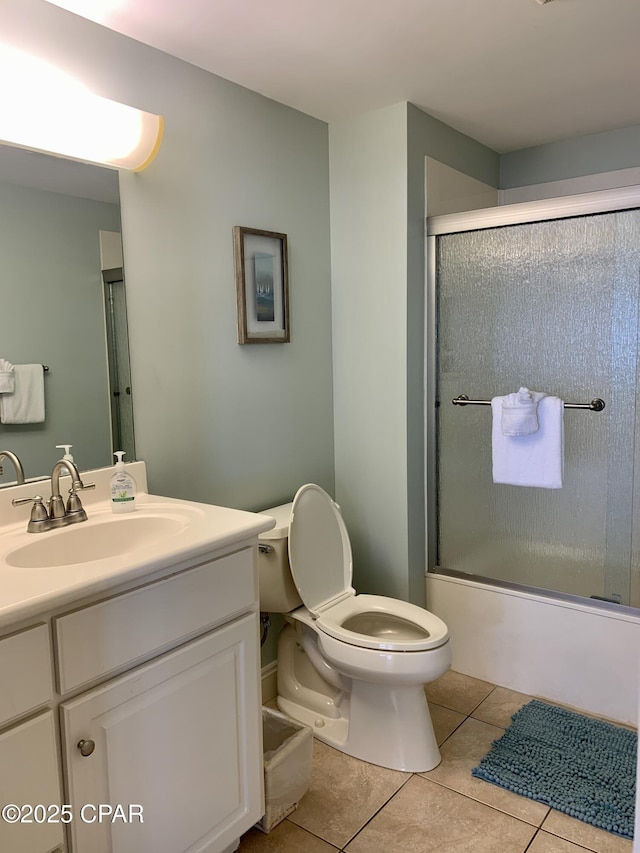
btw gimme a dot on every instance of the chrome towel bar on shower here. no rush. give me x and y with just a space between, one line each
596 405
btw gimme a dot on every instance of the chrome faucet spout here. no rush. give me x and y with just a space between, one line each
17 464
74 512
55 476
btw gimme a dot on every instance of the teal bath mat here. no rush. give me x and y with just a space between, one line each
583 767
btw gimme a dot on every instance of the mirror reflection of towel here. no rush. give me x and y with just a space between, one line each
7 377
26 404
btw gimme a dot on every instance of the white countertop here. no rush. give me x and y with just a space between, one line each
193 530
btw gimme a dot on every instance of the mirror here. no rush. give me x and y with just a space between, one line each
64 307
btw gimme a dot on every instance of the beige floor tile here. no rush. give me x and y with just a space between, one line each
286 837
344 794
445 721
459 692
499 706
424 818
546 843
461 753
585 835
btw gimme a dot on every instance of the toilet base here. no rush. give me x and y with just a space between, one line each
390 727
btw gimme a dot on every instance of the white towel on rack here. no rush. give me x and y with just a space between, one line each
26 404
7 378
530 460
520 412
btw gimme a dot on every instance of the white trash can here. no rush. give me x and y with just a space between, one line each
288 752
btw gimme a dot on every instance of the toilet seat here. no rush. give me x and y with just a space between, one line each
396 626
321 564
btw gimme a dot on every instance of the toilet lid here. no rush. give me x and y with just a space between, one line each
319 549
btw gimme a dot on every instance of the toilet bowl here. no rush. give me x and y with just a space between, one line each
353 667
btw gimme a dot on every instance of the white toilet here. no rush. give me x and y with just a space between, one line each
350 666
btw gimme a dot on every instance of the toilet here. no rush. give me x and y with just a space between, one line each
350 666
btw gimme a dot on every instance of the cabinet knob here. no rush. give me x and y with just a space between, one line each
86 747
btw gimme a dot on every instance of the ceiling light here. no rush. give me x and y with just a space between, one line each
45 109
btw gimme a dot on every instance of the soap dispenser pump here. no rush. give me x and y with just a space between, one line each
123 487
67 451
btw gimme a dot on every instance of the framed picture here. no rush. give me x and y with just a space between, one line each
262 286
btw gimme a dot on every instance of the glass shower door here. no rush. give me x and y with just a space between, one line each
552 306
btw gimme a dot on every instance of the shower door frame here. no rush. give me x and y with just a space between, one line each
584 204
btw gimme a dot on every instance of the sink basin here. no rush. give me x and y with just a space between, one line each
87 542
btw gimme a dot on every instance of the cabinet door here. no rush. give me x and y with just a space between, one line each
29 777
177 741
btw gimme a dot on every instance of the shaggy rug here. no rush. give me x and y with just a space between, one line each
583 767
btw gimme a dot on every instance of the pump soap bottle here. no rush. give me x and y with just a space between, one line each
67 451
123 487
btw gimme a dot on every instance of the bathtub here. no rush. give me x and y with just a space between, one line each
562 649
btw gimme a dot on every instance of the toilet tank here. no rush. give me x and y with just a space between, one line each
277 591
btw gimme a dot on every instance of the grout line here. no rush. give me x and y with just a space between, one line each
454 730
313 834
490 805
537 827
457 710
377 812
482 700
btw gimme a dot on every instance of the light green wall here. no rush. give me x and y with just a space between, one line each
377 246
246 424
50 251
429 137
215 421
571 158
368 157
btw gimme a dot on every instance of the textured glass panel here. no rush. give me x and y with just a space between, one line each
119 368
552 306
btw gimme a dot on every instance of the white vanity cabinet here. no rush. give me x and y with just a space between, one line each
139 710
174 744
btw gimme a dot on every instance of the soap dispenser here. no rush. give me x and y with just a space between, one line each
123 487
67 457
67 451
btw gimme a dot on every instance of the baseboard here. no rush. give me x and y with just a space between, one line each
269 681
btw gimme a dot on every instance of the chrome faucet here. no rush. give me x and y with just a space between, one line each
58 515
17 464
74 511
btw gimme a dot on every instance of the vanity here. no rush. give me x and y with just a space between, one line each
130 710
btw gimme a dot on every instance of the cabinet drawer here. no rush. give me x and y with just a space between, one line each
25 672
105 637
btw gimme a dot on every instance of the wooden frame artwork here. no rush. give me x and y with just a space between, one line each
262 286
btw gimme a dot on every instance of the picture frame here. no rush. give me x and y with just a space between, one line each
262 286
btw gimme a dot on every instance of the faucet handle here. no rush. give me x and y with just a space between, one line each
39 521
75 511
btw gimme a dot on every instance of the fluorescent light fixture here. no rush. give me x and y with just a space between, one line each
44 109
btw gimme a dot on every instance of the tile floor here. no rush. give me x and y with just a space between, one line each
357 807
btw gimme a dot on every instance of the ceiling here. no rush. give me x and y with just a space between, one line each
509 73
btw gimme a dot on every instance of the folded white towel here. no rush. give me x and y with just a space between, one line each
530 460
520 412
26 404
7 378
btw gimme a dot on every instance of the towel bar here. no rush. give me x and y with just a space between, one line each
596 405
